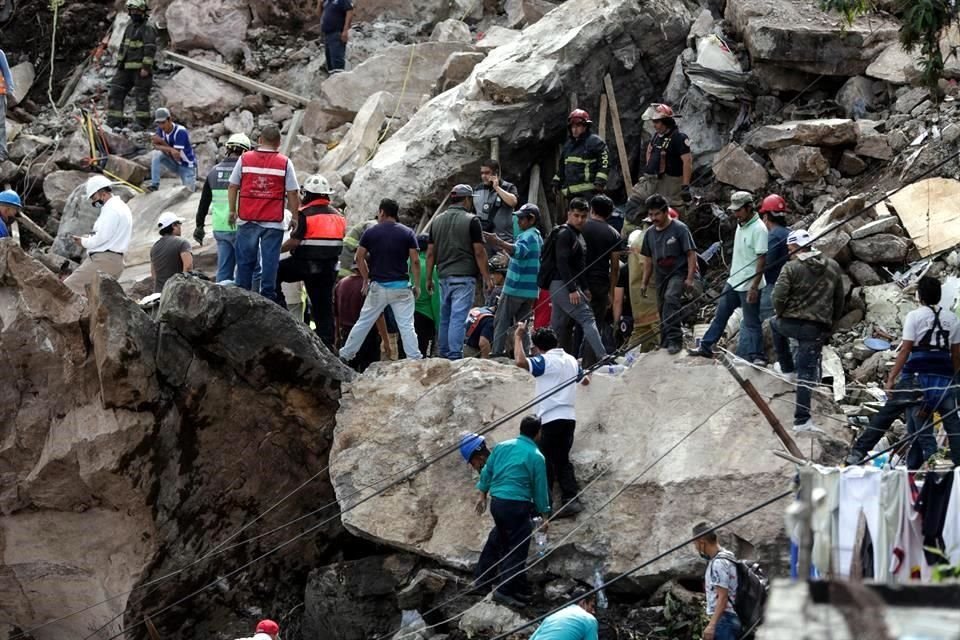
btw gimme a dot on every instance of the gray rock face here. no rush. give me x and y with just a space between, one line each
451 30
800 164
881 248
851 164
735 167
128 447
195 98
863 274
857 96
58 186
796 34
895 65
815 133
428 404
212 24
519 93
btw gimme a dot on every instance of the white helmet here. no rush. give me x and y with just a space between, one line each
167 219
317 185
96 183
240 141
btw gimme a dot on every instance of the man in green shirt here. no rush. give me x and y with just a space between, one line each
515 476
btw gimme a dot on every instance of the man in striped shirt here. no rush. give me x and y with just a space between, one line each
520 287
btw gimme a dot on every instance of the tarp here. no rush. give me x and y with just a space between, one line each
717 70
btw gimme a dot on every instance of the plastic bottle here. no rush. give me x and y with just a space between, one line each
630 358
597 582
711 251
613 369
539 537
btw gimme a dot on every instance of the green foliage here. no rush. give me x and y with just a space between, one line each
942 572
923 22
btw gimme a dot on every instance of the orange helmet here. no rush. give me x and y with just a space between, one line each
773 204
579 115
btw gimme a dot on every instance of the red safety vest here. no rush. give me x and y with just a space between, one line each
263 179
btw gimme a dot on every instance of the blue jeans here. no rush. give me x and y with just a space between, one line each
336 50
766 303
252 237
456 298
937 398
161 161
226 254
728 627
378 298
810 337
751 337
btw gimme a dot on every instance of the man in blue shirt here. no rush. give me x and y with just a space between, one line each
10 206
773 212
336 17
574 622
173 151
6 89
515 476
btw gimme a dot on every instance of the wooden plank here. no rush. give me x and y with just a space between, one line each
602 128
222 73
618 131
435 214
533 191
292 132
33 228
495 149
545 210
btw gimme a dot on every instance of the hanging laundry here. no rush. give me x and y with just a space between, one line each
824 517
951 527
859 493
908 562
932 505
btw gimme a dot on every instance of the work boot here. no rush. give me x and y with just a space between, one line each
673 349
701 352
570 510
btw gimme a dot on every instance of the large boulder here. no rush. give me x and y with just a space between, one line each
816 133
195 98
130 447
735 167
212 24
23 76
397 416
800 164
362 139
796 34
58 186
520 94
881 248
406 71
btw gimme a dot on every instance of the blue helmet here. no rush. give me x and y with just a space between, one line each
10 198
469 444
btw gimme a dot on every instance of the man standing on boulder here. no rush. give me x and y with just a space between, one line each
494 201
135 61
554 369
744 284
213 198
110 239
669 251
515 476
383 257
584 161
336 16
172 150
603 266
262 183
668 156
808 300
456 249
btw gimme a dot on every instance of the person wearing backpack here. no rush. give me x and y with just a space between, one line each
720 584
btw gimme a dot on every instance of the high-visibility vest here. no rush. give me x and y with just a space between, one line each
263 179
324 229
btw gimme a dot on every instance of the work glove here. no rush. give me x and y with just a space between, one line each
198 235
685 194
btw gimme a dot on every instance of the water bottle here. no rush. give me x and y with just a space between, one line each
630 358
614 369
597 583
539 537
711 251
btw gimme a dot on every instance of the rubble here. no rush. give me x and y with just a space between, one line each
880 248
927 210
735 167
193 97
895 66
58 186
487 618
811 133
451 30
361 141
800 164
23 76
220 25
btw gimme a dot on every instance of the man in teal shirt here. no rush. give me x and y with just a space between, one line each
515 476
575 622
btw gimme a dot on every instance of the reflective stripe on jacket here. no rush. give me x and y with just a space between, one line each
138 47
583 164
324 229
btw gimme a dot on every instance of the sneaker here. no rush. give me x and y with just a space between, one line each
673 349
507 599
701 352
760 362
570 510
807 427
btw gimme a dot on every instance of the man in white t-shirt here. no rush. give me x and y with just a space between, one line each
554 369
926 364
720 585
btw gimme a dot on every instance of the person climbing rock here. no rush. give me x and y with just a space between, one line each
135 62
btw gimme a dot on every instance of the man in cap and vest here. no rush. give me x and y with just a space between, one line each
6 89
314 248
110 239
10 206
135 62
456 249
584 161
262 184
213 199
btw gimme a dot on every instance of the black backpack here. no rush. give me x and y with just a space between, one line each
751 595
548 258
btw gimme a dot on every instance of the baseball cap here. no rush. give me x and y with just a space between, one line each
461 191
528 210
267 626
168 218
739 200
161 114
800 237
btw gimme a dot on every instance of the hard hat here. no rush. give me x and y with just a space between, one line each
317 184
739 200
673 213
469 444
137 4
657 111
267 626
167 219
579 114
161 115
462 191
529 210
11 199
97 183
773 204
800 237
239 140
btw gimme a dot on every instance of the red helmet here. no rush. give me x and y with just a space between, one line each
773 204
268 626
673 213
658 111
579 115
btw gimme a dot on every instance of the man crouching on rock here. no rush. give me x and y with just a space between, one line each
516 478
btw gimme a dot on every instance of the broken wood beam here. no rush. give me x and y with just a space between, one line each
426 227
618 132
602 128
31 226
533 192
292 132
495 149
223 73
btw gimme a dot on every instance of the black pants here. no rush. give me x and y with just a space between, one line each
505 552
599 303
426 330
318 279
123 81
669 304
556 440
